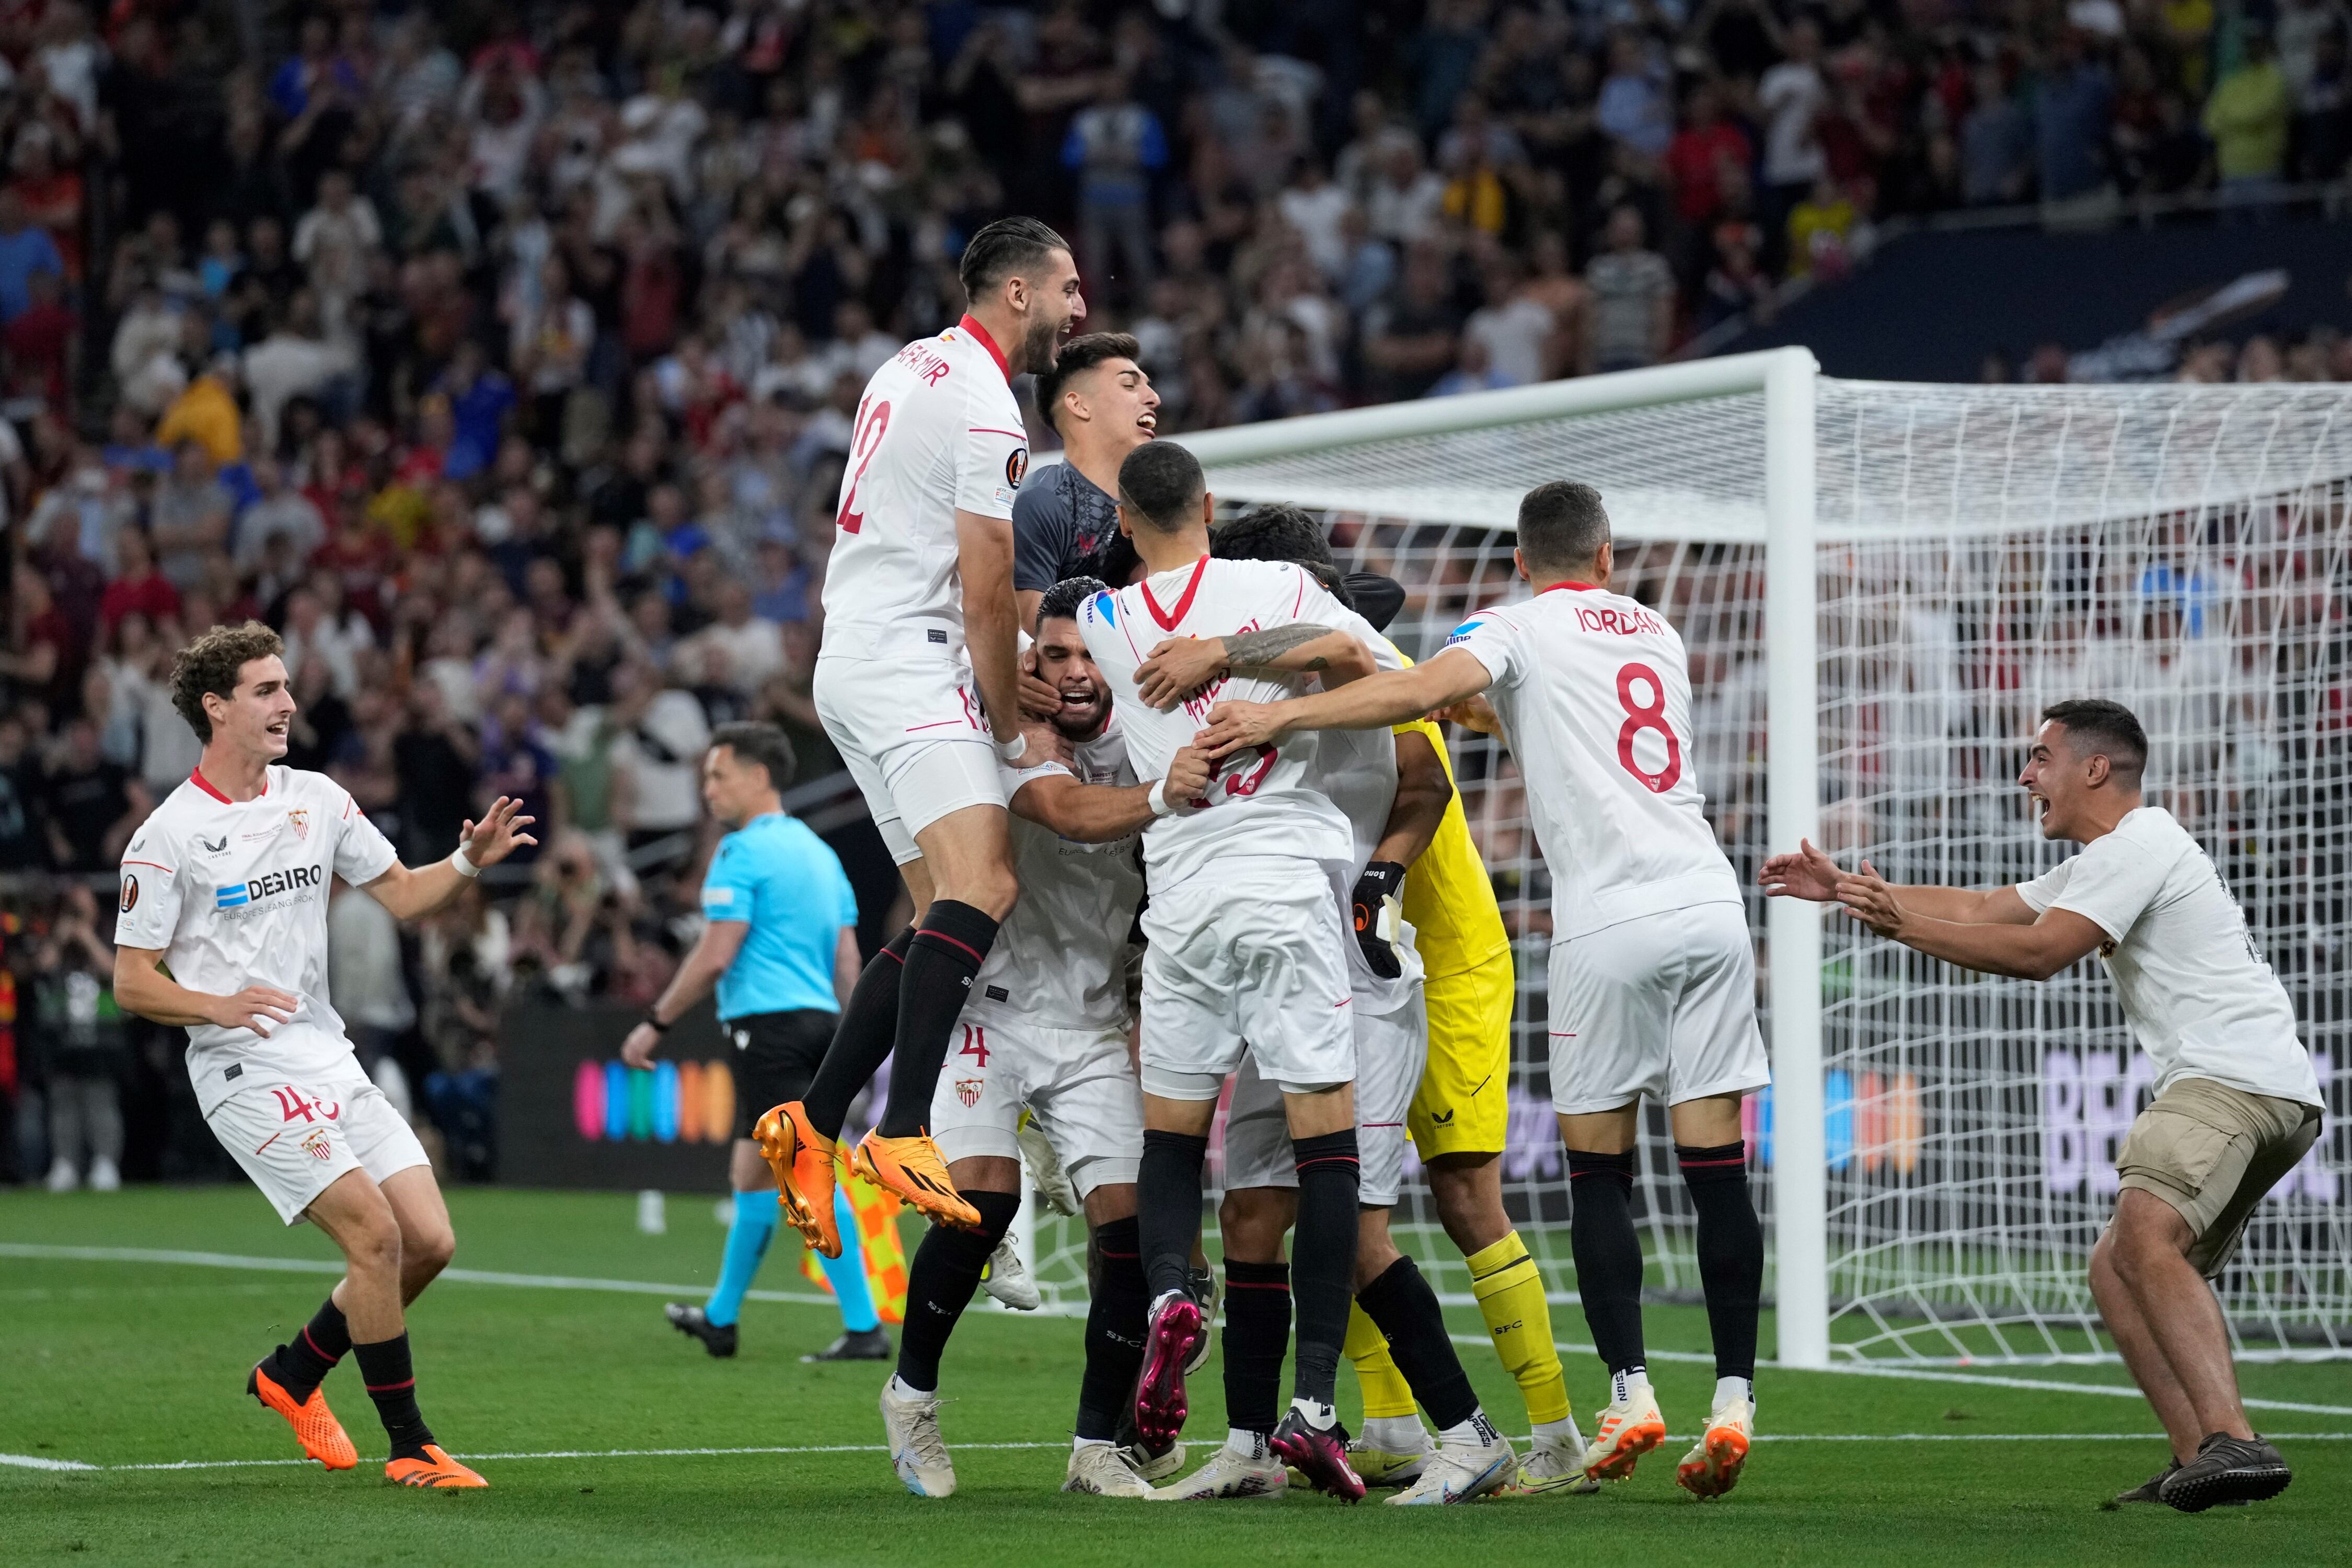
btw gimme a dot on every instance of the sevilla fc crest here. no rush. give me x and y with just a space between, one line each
968 1090
301 821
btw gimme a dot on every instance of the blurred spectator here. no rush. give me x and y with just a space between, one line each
2248 117
77 1042
2071 120
26 248
90 805
1633 299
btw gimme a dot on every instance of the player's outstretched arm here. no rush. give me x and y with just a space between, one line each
1807 873
141 986
1377 701
991 634
1180 666
1096 814
712 952
2030 951
412 895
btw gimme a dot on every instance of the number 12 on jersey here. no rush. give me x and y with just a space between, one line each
873 420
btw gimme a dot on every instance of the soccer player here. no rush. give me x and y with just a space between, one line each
780 941
1100 402
917 685
1395 791
1652 977
1245 949
226 883
1047 1030
2237 1103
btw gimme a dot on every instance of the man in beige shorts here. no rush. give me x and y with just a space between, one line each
2237 1102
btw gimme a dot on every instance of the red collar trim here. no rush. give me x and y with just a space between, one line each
1169 621
980 335
1574 588
197 777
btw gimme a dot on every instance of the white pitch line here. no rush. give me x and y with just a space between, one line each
32 1463
810 1298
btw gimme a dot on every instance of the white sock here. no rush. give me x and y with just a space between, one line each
1562 1431
1243 1444
901 1389
1624 1385
1079 1443
1727 1389
1476 1433
1395 1434
1322 1417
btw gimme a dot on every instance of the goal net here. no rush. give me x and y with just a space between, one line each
1936 1157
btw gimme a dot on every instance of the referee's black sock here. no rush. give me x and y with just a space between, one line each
947 951
941 1282
392 1383
1257 1332
861 1041
1404 1309
1608 1254
1114 1328
1167 1209
1730 1251
303 1363
1323 1258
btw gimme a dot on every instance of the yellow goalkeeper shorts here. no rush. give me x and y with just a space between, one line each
1462 1106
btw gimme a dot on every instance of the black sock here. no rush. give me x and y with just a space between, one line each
861 1041
1323 1258
1257 1332
303 1363
1404 1309
1167 1209
1730 1251
947 952
1114 1328
392 1383
940 1283
1608 1254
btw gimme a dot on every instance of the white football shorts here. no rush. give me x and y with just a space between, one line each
913 735
1663 1006
297 1138
1245 959
1391 1050
1077 1083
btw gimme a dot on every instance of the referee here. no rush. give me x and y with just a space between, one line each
780 940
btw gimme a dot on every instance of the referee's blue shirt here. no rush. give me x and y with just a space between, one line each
783 882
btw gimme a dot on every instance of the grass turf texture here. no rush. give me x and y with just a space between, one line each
120 1362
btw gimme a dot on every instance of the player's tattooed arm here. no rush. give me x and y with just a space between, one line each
1376 702
1182 665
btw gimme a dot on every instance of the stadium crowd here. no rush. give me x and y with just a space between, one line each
505 357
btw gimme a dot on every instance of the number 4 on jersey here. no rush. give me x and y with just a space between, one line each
975 1043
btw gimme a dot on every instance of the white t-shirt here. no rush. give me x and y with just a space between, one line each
234 894
1267 802
1792 96
2197 992
1060 959
1594 695
938 431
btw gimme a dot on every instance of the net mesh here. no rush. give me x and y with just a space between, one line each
1983 551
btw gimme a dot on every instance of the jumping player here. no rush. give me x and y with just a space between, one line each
1047 1030
1652 977
226 883
917 685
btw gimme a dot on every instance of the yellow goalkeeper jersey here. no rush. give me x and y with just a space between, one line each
1448 896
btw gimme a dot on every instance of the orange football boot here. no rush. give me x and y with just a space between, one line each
315 1427
436 1469
912 1168
801 1158
1625 1432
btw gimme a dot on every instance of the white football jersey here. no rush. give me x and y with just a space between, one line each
234 894
1266 802
1060 957
1594 695
937 430
1360 773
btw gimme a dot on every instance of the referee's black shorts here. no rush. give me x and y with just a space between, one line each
776 1055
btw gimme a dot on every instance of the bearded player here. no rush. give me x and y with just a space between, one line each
917 685
1652 977
226 884
1046 1031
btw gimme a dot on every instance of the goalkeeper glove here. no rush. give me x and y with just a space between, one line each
1382 880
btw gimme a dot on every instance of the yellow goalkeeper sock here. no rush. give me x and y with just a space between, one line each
1510 1291
1386 1392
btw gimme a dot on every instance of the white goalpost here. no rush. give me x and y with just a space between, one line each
1881 585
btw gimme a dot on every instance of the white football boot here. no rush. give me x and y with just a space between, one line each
1100 1468
1007 1281
1232 1474
1462 1472
1628 1428
917 1451
1712 1467
1555 1462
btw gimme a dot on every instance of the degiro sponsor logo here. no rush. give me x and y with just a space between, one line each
269 884
675 1102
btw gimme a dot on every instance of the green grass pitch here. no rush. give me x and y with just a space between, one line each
134 1363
